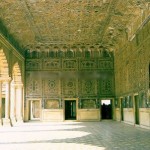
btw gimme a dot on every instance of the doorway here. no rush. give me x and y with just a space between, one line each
106 109
3 108
122 106
70 109
35 110
136 102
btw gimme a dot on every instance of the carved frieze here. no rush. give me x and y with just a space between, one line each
88 64
51 64
34 64
70 64
103 64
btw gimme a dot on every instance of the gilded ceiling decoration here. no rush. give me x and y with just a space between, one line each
72 22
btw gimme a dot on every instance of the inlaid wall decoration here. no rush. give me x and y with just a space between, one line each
51 104
106 87
88 64
70 64
105 64
132 66
33 87
50 64
33 64
88 87
63 72
88 103
51 87
69 87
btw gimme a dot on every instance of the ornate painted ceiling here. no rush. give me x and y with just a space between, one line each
72 22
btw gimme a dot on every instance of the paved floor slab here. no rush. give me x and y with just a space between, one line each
104 135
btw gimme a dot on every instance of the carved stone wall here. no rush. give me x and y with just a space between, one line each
132 74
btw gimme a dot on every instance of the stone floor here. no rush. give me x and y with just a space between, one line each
104 135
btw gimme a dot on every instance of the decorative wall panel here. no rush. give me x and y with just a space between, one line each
33 86
105 64
51 87
70 64
51 64
88 64
34 64
88 103
88 87
69 76
106 86
69 87
51 104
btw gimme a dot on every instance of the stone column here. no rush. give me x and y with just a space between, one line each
12 104
6 120
0 103
19 103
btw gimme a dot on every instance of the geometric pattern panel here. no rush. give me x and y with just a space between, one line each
51 64
70 64
88 87
105 64
69 87
33 87
51 87
106 87
33 64
88 64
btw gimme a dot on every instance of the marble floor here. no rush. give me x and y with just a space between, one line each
104 135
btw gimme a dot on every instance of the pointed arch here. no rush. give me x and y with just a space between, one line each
16 73
4 71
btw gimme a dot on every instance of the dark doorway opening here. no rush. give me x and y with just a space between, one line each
136 99
70 109
3 108
122 105
106 109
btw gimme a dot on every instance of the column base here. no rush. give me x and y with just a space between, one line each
6 122
13 121
0 122
19 120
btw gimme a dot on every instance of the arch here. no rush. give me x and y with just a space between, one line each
87 54
16 73
4 71
69 53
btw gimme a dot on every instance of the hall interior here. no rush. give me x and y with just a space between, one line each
63 60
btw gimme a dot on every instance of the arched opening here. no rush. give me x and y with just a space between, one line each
4 88
16 97
106 109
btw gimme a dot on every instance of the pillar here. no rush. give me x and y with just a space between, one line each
12 104
19 103
6 120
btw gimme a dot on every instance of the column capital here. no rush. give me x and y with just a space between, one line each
19 85
2 79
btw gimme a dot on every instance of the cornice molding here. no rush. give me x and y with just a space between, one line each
10 47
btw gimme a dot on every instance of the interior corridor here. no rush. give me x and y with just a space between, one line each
105 135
